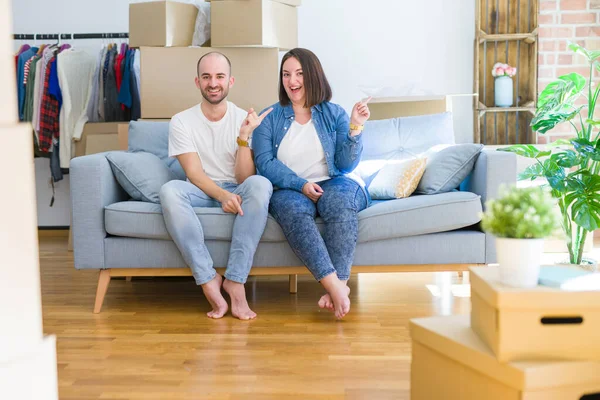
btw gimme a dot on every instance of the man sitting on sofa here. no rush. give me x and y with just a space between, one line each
210 140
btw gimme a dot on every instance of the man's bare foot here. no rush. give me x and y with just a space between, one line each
212 291
326 302
239 304
338 292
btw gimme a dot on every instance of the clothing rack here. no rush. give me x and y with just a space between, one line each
69 36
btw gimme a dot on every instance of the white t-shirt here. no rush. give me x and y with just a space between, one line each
302 152
215 142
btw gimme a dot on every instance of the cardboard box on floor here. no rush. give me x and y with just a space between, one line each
264 23
98 137
450 362
534 324
161 23
167 78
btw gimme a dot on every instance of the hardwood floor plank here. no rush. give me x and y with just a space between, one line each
154 341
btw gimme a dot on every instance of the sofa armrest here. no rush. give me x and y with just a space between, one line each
93 186
492 169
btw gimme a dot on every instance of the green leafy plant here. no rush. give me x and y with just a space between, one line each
570 167
520 213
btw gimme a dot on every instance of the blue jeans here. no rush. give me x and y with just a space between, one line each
339 206
178 199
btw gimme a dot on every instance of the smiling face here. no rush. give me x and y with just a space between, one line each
214 78
293 81
302 81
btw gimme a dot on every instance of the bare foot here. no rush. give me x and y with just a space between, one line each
326 302
338 292
239 304
212 291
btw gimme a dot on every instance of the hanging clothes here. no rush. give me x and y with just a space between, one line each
135 94
22 59
75 73
92 108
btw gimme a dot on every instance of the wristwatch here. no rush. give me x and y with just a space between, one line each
242 143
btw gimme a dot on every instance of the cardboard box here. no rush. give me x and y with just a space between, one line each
259 23
450 362
534 324
294 3
394 107
167 78
98 137
161 23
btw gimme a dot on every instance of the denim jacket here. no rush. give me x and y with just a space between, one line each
342 151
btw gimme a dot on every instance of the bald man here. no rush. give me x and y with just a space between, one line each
211 141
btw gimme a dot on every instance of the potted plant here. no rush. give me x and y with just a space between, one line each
503 84
570 167
520 219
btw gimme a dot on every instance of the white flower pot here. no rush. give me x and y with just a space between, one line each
503 91
519 261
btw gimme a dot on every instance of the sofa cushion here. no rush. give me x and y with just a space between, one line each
415 215
406 137
140 174
447 166
153 137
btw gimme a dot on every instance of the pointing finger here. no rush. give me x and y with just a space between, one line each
238 207
263 115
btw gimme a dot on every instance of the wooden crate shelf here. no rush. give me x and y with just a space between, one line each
506 32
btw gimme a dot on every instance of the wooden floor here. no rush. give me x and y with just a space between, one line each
153 340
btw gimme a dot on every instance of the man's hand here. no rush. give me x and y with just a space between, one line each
252 121
231 203
312 191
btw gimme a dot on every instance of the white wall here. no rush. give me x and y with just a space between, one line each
407 46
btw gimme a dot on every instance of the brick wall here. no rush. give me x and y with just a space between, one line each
561 21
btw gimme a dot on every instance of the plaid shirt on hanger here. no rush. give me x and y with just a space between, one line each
49 113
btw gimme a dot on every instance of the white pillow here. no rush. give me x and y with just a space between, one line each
397 179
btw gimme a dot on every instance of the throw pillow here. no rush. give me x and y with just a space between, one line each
153 137
140 174
447 166
397 179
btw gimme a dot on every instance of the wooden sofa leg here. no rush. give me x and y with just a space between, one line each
103 281
293 283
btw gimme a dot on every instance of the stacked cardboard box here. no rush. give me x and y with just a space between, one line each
249 32
521 344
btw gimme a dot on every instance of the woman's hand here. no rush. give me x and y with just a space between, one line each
360 112
312 191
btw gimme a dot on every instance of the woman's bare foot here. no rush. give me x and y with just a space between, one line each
326 302
239 304
212 291
338 292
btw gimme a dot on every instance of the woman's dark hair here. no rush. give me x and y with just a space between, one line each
316 86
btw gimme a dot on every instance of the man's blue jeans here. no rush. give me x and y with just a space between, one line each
339 206
178 199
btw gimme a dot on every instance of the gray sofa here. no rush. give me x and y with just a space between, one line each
121 237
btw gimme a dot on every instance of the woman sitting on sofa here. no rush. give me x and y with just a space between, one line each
305 147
